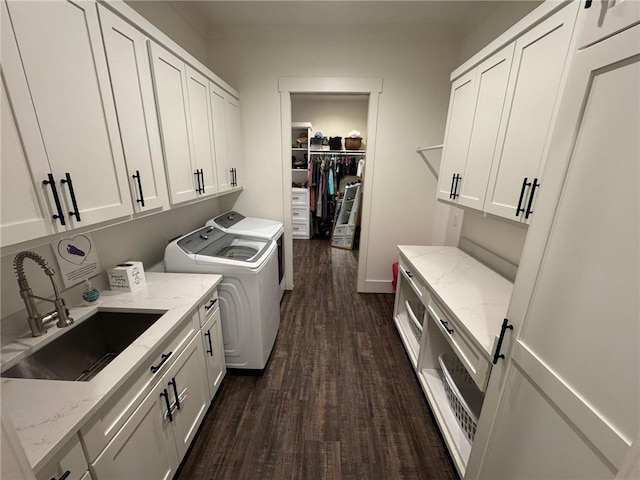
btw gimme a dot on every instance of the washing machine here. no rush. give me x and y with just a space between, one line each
234 222
248 293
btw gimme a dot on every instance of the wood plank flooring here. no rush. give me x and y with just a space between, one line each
338 399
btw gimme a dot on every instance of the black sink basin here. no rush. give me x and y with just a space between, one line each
82 352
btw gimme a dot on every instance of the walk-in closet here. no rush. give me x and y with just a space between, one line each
328 163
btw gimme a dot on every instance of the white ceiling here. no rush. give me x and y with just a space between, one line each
461 16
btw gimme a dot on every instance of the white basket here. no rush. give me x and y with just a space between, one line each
465 399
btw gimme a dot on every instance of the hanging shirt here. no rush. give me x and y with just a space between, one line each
360 167
330 185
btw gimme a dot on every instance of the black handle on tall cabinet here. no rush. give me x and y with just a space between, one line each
534 187
505 326
165 394
137 177
59 216
175 391
76 211
210 349
525 184
64 476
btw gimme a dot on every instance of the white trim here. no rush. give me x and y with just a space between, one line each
378 286
370 86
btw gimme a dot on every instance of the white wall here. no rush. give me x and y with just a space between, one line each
415 67
180 24
332 115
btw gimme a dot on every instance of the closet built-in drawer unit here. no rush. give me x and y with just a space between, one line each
300 215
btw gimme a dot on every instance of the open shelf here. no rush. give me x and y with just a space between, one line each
409 341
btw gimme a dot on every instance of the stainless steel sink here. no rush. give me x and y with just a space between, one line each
82 352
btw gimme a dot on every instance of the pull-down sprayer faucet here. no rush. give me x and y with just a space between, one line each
34 319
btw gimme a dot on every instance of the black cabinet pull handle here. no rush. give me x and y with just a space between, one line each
209 305
137 177
164 357
210 349
445 324
165 394
525 184
453 181
175 391
497 356
234 178
587 4
533 192
197 174
59 216
409 274
202 177
76 211
455 188
64 476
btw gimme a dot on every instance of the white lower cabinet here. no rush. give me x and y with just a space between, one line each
154 439
69 464
213 352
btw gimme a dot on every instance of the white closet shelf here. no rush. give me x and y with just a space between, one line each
432 147
339 152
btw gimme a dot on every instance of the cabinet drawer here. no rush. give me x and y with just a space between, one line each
69 459
300 214
299 196
101 428
208 307
416 282
339 230
469 354
300 230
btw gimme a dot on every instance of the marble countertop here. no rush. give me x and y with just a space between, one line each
47 413
475 294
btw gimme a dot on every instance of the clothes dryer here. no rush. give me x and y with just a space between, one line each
248 293
234 222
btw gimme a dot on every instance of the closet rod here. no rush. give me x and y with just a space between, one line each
433 147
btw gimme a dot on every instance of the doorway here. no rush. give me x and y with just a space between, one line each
309 87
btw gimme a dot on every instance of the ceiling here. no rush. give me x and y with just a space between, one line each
461 16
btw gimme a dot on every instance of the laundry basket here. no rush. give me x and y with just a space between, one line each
464 397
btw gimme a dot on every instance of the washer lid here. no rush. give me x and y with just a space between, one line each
211 245
257 227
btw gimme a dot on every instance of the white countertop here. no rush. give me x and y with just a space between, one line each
474 293
46 413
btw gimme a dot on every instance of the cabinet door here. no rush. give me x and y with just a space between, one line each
220 137
170 82
204 158
491 78
186 383
69 459
213 352
569 408
130 73
538 62
234 135
24 215
144 448
64 62
462 105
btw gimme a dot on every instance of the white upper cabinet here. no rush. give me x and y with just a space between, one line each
538 63
24 214
66 72
170 81
234 135
474 117
204 157
130 73
227 134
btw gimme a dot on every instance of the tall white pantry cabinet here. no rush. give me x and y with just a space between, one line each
563 402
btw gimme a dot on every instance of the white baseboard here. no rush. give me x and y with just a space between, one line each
377 286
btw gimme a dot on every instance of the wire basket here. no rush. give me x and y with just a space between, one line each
465 399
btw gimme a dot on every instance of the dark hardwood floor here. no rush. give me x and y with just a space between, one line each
338 399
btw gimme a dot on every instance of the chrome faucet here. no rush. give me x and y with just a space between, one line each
34 319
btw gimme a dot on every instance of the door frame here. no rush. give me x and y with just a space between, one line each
329 85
